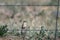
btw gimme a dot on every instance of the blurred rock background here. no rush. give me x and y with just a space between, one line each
14 12
35 16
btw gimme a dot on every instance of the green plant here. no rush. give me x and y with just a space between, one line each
41 35
3 30
38 36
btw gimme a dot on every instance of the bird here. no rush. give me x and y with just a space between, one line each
24 29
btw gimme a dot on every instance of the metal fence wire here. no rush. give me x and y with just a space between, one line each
56 28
